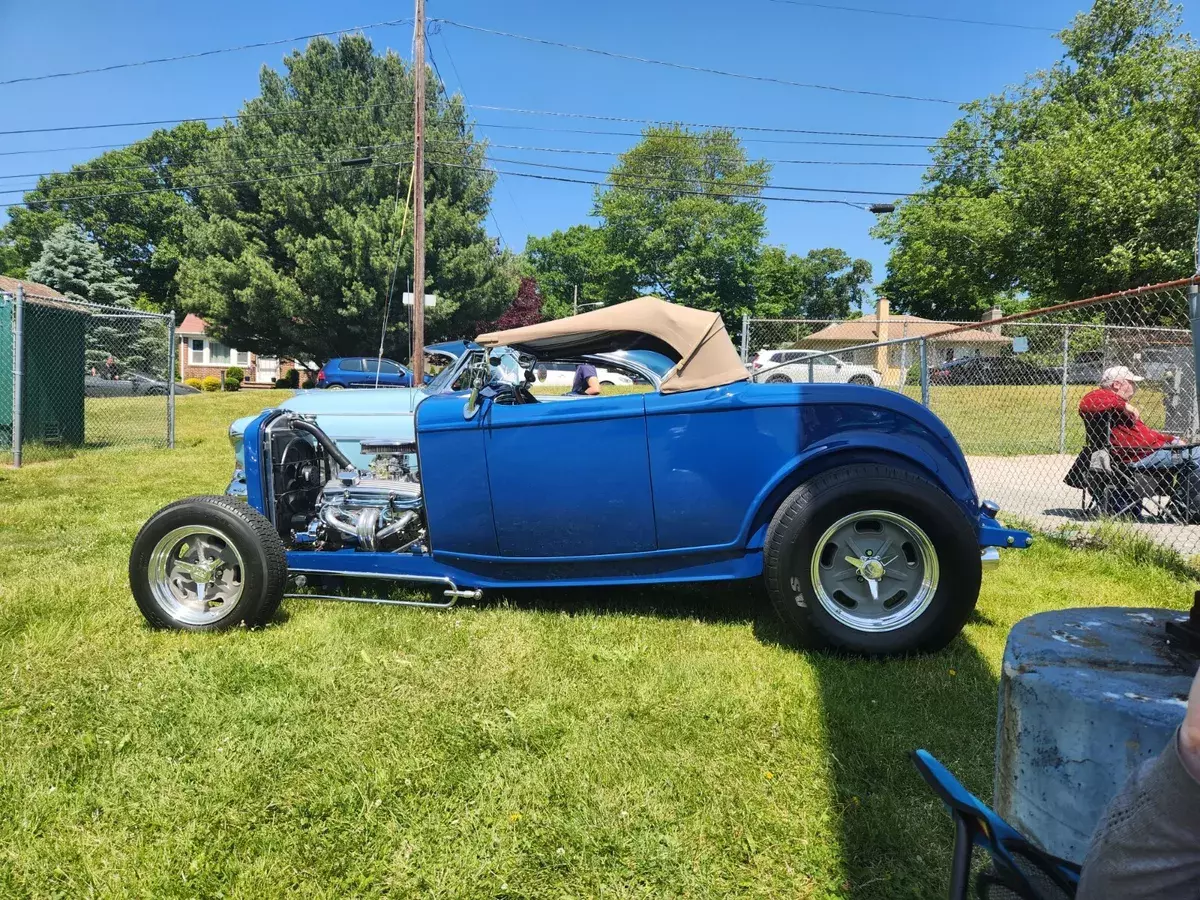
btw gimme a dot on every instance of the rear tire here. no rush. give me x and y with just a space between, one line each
862 379
778 379
335 387
207 564
927 569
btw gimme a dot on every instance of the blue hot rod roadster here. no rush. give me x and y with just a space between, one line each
853 504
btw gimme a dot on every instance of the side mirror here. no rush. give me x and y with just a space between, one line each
471 408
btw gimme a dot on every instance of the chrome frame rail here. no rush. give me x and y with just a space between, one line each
452 591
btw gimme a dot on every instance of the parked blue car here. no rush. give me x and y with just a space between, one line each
851 505
363 372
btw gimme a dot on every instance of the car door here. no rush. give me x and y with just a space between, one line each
391 374
570 477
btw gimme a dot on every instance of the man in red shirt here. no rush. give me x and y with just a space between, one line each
1135 443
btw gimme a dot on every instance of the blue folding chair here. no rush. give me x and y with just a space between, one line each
1018 868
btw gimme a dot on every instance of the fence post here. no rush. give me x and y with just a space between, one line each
810 369
18 340
924 357
1062 402
745 338
172 351
1194 315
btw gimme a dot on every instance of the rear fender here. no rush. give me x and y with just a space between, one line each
853 449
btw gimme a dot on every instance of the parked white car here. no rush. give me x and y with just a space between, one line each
562 374
782 366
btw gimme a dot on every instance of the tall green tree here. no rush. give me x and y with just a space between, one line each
679 216
682 208
1080 181
577 264
74 266
823 284
303 265
137 204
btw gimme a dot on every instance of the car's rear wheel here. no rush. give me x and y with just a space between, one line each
207 564
336 387
872 559
778 379
862 379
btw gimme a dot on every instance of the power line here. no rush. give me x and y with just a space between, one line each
668 179
908 15
635 187
262 115
442 88
196 187
690 68
748 140
763 128
203 53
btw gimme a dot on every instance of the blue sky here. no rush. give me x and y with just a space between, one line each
880 53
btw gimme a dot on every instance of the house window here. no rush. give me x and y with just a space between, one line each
202 352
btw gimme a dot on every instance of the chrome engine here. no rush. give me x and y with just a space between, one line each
380 508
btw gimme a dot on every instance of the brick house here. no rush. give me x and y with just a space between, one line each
201 356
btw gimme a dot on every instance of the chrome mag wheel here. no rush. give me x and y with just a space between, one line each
196 575
874 571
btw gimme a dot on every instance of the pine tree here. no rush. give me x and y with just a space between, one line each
75 267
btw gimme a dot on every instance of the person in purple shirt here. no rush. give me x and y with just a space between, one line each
586 381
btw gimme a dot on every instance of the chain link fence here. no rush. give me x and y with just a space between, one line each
78 375
1017 392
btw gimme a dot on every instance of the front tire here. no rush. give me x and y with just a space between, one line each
778 379
207 564
864 380
872 559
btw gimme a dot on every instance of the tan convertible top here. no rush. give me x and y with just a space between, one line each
695 340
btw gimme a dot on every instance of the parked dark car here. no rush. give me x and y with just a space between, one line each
992 370
360 372
130 384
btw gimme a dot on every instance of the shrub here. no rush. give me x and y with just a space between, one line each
212 383
232 384
293 378
282 383
194 382
308 383
235 372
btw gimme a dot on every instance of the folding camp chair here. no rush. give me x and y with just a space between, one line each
1114 488
1019 870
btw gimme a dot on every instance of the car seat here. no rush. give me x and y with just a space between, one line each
1017 870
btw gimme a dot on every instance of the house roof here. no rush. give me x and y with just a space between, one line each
41 294
191 325
32 288
866 331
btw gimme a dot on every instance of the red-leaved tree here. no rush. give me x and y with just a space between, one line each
526 309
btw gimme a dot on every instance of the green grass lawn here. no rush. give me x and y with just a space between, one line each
613 743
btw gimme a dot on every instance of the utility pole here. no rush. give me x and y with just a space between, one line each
575 310
418 288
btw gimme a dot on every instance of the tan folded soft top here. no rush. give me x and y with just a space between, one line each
695 340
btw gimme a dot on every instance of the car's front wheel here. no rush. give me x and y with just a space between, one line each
862 379
872 559
778 379
336 387
207 564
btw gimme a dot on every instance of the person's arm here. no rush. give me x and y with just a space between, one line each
593 386
1147 845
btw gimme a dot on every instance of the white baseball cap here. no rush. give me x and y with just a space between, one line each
1119 373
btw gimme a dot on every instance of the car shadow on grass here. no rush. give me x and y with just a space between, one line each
895 836
722 602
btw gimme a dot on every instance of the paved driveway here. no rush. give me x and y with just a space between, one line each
1032 487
